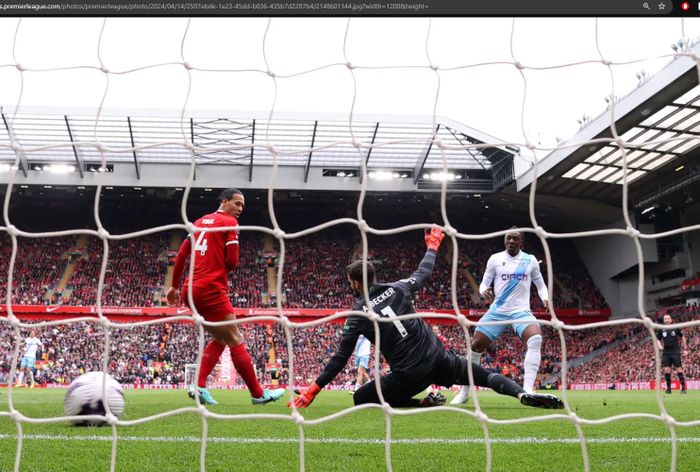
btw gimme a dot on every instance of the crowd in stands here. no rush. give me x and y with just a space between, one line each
39 264
157 353
634 359
691 283
313 272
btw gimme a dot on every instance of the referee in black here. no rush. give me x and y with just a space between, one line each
670 340
416 356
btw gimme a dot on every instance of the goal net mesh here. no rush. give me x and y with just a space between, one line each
104 70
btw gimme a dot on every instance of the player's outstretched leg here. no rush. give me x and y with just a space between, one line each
503 385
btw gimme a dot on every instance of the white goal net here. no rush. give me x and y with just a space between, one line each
525 81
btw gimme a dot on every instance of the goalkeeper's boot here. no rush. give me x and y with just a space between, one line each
541 400
433 399
205 397
462 396
268 396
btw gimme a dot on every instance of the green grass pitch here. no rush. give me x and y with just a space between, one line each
429 441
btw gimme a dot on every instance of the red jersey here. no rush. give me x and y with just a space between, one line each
211 262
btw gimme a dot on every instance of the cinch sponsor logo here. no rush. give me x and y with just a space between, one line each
518 277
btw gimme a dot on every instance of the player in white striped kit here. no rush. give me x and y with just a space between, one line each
362 352
511 272
31 344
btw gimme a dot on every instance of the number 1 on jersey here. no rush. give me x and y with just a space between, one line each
201 243
387 310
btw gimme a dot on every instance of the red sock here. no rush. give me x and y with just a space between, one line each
244 366
210 357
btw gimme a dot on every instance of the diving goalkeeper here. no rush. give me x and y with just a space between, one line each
416 356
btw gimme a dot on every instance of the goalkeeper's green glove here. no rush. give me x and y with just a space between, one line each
306 396
434 238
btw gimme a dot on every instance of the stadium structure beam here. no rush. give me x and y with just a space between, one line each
369 151
137 164
452 132
308 160
76 150
420 163
21 155
252 154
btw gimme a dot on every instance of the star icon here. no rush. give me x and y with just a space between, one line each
662 6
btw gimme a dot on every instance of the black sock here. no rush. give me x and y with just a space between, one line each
668 381
504 385
681 377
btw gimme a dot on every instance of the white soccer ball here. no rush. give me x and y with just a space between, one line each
84 397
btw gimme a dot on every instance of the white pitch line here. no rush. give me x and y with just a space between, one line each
233 440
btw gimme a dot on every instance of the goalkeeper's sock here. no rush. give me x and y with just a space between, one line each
210 357
681 377
503 385
668 381
244 366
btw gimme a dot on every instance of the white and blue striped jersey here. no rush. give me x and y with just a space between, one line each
31 346
362 347
511 278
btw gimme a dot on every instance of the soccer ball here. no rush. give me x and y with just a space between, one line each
84 397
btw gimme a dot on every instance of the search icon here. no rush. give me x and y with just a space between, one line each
646 5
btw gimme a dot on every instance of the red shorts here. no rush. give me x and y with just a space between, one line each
212 305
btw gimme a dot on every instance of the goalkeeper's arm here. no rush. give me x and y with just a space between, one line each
425 269
334 366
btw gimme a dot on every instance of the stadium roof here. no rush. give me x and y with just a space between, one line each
400 145
664 107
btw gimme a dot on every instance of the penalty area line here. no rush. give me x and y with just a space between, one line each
235 440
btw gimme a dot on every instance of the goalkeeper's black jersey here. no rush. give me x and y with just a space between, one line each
671 339
409 346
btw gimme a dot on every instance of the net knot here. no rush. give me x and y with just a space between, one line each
540 232
188 145
111 419
270 73
481 417
298 419
530 146
356 144
557 324
102 233
633 232
449 230
11 229
434 67
363 226
519 65
20 67
16 416
648 322
668 419
619 142
439 144
606 62
187 65
190 227
279 233
349 65
102 149
104 69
